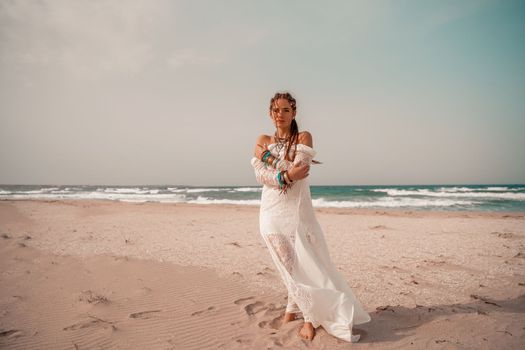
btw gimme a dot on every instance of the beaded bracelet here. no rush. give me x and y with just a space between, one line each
265 155
283 185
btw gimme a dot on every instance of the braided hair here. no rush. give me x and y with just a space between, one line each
294 129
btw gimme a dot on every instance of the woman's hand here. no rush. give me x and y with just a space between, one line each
298 172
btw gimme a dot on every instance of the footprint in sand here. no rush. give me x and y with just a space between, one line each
484 299
242 300
274 323
379 227
244 339
434 262
266 272
203 311
90 297
506 235
143 314
268 315
253 308
11 333
96 322
385 308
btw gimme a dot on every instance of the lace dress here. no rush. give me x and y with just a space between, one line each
297 246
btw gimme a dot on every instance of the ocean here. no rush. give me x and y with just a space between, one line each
434 197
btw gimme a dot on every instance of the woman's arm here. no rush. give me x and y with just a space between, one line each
267 175
305 138
305 156
264 175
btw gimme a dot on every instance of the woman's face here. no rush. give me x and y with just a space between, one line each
282 113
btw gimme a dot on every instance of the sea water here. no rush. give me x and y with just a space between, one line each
414 197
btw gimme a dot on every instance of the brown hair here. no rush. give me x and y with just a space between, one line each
294 129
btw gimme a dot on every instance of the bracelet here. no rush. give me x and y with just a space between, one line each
262 156
283 187
287 177
279 179
265 156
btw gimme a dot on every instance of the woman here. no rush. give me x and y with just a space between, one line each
292 234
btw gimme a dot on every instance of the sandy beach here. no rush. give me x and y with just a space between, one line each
81 274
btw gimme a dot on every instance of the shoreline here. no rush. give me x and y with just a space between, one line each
332 210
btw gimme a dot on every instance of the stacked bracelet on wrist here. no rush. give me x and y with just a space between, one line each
287 177
265 155
284 181
268 159
280 179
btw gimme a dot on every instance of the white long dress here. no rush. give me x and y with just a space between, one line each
297 246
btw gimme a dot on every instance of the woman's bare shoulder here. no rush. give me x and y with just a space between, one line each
262 142
262 139
305 138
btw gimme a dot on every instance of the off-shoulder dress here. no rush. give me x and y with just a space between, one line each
298 249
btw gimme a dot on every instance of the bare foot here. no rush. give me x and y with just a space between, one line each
288 317
308 331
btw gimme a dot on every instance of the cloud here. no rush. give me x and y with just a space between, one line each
188 56
95 39
88 39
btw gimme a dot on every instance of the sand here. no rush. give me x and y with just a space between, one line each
115 275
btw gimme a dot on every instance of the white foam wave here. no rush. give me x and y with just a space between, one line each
455 189
176 190
205 200
123 190
248 189
478 189
390 203
42 190
428 193
167 197
199 190
61 191
195 190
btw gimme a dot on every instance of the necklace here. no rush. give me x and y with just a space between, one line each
280 143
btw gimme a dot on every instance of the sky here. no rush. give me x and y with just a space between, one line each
176 92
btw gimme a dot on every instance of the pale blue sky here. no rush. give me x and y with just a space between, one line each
176 92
